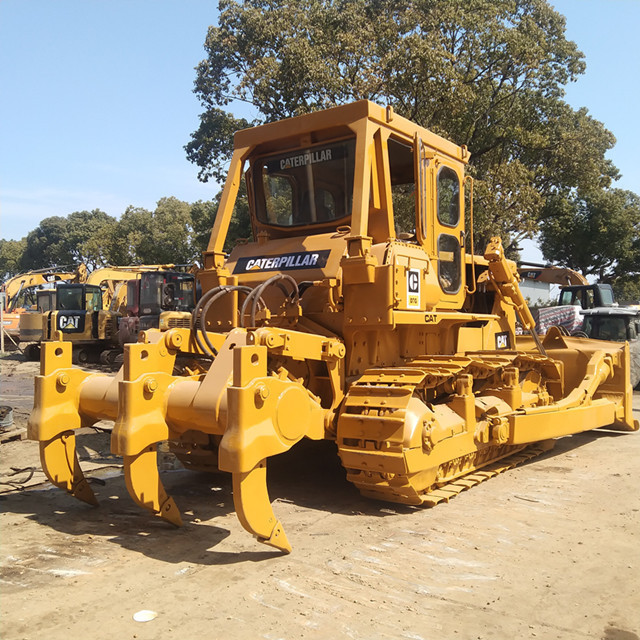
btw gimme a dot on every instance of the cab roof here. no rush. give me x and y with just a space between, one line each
344 116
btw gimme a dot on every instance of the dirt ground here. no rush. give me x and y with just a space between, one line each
547 550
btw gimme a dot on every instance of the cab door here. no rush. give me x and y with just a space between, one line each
449 232
93 306
441 220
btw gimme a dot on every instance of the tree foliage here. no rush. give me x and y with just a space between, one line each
202 216
174 232
81 237
162 236
10 257
484 73
45 245
596 233
89 235
132 236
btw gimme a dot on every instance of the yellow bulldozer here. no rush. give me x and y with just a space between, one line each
359 315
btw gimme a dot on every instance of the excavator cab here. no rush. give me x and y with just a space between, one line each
587 296
21 296
357 314
74 302
31 322
79 316
45 300
166 291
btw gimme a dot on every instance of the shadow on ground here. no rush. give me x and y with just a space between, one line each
310 475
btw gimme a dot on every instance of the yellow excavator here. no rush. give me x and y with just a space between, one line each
86 313
575 289
20 293
397 344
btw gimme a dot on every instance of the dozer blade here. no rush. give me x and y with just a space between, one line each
145 487
61 466
251 501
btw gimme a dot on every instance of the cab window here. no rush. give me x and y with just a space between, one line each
606 295
588 327
613 329
93 299
565 298
278 194
69 298
448 197
449 263
45 301
403 187
307 186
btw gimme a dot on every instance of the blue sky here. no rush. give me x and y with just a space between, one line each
97 100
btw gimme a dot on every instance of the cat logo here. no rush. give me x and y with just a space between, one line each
502 340
413 289
67 323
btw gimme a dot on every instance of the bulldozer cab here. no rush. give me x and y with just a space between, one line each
166 291
356 187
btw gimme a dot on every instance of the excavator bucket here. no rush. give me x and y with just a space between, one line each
398 347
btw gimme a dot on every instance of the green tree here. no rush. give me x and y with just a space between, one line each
131 237
81 237
171 233
47 245
240 229
166 235
203 214
11 257
627 289
484 73
88 237
596 233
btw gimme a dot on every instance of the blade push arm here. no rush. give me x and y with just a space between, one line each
505 279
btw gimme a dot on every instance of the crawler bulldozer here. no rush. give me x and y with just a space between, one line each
157 300
358 314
